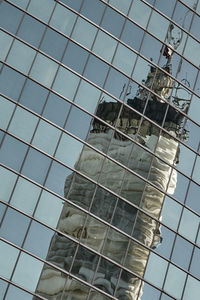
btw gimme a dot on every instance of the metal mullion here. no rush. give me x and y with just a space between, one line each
110 158
127 46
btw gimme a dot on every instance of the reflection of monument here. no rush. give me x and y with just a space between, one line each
83 263
139 151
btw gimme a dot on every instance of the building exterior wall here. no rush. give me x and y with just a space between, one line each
60 61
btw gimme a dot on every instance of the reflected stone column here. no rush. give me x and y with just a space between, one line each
95 234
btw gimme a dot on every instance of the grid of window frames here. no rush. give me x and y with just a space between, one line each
59 59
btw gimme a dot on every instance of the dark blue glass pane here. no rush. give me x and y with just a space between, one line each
93 10
12 152
185 248
36 166
9 17
75 57
75 4
132 35
193 197
16 233
33 96
56 178
96 71
54 44
38 235
11 83
16 293
56 109
31 30
113 22
165 247
115 83
76 118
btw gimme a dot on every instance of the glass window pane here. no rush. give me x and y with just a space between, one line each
123 6
74 127
11 82
140 12
44 70
56 109
195 266
192 288
25 196
93 10
63 19
36 161
31 31
21 56
159 267
42 9
96 70
21 3
23 124
124 59
8 259
6 110
171 212
75 57
196 174
9 17
193 197
49 209
132 35
175 281
7 179
16 293
27 271
186 160
80 29
46 137
56 48
56 178
16 233
189 225
114 27
192 50
5 42
73 4
66 83
38 235
68 150
33 96
12 152
158 31
104 46
87 96
185 249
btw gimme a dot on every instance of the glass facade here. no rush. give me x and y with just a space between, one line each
99 156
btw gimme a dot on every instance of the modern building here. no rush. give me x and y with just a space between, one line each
100 141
